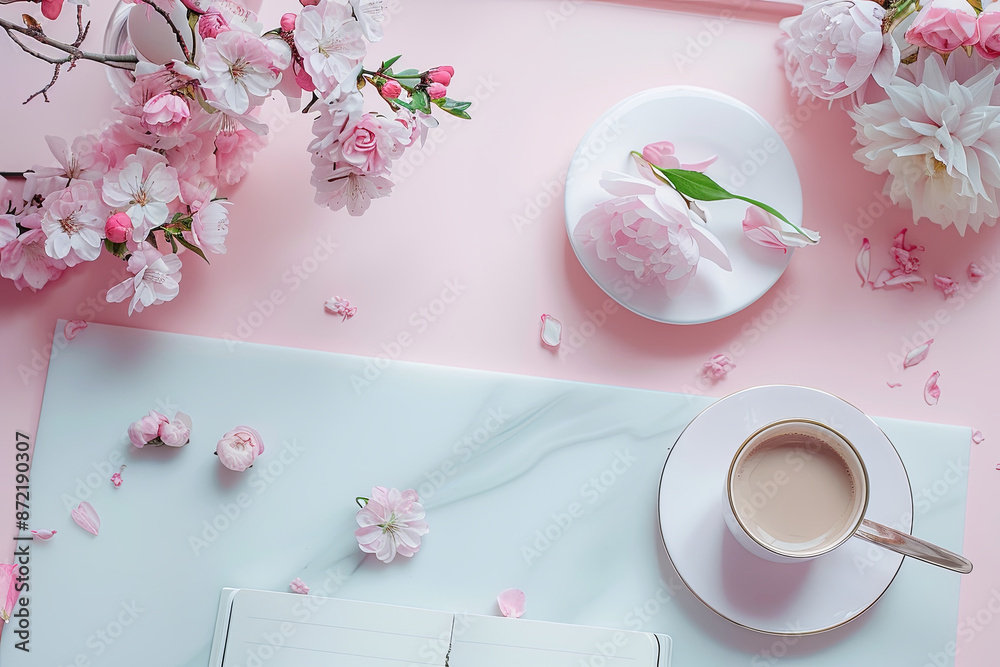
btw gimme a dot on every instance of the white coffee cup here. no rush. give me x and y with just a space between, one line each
798 489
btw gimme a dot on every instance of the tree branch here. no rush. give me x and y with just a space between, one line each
177 33
75 52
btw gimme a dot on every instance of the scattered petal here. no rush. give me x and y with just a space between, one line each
73 328
978 437
299 586
900 242
551 331
932 392
116 479
880 281
767 230
894 385
718 366
917 354
945 284
8 588
511 603
864 261
339 306
43 535
897 278
86 517
975 273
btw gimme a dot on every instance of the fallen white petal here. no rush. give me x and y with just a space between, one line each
551 331
978 437
864 261
932 392
917 354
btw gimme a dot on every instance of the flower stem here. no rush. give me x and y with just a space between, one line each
359 499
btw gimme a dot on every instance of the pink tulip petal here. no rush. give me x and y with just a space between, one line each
978 437
73 328
298 586
893 385
43 535
511 603
86 517
8 588
864 261
551 331
917 354
932 392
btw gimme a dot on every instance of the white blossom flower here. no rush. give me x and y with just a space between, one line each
330 42
369 14
342 185
154 280
210 224
74 224
143 186
238 70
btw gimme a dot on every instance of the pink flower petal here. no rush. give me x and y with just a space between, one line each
342 307
551 331
718 366
917 354
898 277
298 586
8 589
900 242
975 273
511 603
43 535
946 285
863 263
978 437
86 517
73 328
932 392
882 278
893 385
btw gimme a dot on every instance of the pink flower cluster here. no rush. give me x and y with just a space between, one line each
948 25
156 429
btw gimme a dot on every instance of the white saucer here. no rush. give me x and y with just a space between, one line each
778 598
699 123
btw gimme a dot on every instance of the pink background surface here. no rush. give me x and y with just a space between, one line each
539 74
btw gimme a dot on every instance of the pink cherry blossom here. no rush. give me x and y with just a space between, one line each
166 114
155 280
8 229
372 143
210 225
85 160
211 24
369 14
342 307
946 285
237 70
330 42
551 331
234 153
944 25
73 329
144 186
298 586
917 354
345 186
718 366
118 228
74 224
511 603
25 261
239 448
391 523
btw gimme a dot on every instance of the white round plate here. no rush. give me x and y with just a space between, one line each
753 162
777 598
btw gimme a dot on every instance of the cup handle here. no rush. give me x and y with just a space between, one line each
893 540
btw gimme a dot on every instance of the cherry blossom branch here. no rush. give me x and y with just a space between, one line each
177 33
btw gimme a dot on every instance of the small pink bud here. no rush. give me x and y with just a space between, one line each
437 90
288 22
118 228
391 89
447 68
211 24
306 3
440 76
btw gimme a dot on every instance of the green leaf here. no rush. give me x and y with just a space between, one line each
116 249
173 242
405 105
421 101
447 103
386 64
458 113
192 247
698 186
407 74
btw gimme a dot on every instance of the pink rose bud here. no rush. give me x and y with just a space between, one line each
118 228
437 90
440 76
988 23
211 24
944 25
288 22
446 68
391 89
239 448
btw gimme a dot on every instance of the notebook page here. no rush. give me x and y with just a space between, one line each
484 641
288 630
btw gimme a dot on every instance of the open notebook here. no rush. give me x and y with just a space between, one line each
257 628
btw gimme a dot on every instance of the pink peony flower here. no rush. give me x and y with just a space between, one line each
145 185
391 89
237 70
155 280
212 24
330 42
166 114
118 228
74 224
25 261
239 448
718 366
436 91
944 25
649 231
766 230
834 47
391 523
372 143
988 24
176 432
146 429
210 225
298 586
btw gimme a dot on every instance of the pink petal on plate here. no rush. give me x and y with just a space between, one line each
900 242
511 603
86 517
551 331
43 535
907 280
945 284
978 437
932 392
975 273
73 328
298 586
864 261
917 354
880 281
8 589
893 385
